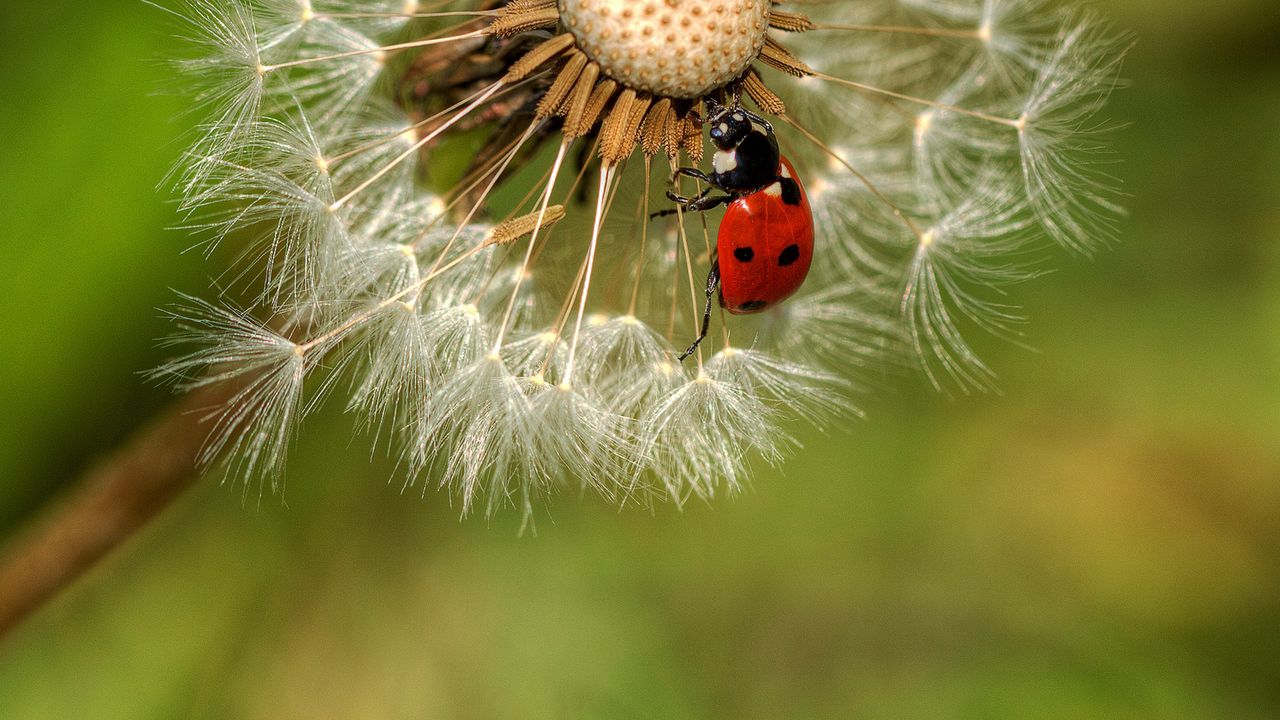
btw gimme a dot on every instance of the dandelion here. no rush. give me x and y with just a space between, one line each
451 210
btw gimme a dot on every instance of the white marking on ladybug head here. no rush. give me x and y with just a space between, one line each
724 128
724 161
774 190
786 173
739 117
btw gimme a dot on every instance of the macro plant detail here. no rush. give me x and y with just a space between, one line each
460 224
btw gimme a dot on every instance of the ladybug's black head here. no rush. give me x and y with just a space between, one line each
728 127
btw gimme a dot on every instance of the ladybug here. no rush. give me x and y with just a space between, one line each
765 243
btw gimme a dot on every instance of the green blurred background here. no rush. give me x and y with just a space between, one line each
1102 540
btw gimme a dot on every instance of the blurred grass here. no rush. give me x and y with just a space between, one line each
1103 540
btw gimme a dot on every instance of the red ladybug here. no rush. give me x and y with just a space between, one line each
765 244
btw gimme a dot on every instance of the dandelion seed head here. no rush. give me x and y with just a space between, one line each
449 231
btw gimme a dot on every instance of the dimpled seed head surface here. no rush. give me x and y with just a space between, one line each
673 48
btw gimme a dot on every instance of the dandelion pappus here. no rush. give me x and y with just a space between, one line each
766 234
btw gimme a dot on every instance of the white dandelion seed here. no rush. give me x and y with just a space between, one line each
252 432
452 209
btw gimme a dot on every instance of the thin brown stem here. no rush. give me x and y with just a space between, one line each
902 30
112 501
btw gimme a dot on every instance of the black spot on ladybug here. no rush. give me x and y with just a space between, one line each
790 254
790 191
744 254
752 305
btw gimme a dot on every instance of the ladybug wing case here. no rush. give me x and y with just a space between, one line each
765 245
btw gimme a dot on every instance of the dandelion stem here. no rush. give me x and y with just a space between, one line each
1015 124
108 505
405 15
475 207
644 237
390 138
264 69
569 195
606 179
533 241
901 29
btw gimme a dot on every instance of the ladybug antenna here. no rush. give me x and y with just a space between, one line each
713 282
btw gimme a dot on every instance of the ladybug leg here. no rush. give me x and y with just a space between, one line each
757 119
685 201
679 200
693 173
700 203
713 282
